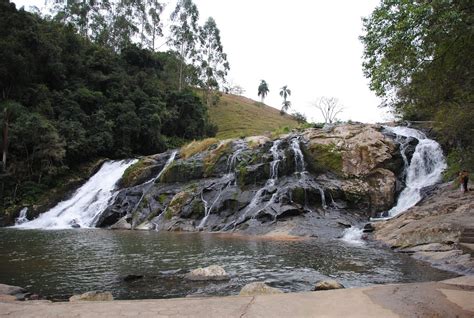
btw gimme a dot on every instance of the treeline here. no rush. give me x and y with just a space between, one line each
419 57
68 96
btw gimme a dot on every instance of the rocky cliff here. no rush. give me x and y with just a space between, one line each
306 183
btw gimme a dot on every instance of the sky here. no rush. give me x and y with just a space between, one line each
313 47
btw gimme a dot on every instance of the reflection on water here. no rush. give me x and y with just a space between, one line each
58 264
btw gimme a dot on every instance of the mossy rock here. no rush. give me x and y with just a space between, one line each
137 173
177 204
212 159
253 174
324 158
181 171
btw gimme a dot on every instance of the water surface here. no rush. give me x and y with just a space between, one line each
57 264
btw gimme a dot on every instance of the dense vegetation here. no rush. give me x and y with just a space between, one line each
68 97
419 56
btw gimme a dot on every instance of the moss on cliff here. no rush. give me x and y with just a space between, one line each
196 146
324 157
213 157
133 173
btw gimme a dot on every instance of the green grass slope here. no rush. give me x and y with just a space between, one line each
238 116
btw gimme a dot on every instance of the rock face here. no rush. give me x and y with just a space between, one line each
258 288
92 296
304 180
213 272
431 230
327 285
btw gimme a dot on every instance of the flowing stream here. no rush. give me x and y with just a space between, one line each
86 203
424 170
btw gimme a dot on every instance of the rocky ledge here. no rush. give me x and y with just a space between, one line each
309 183
433 230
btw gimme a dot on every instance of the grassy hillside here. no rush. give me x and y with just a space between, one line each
238 116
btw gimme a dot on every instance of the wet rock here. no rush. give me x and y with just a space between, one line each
121 224
368 228
382 184
258 288
252 174
213 272
130 278
432 247
11 290
92 296
344 223
327 285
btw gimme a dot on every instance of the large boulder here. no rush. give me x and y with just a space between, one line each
351 150
327 285
213 272
92 296
258 288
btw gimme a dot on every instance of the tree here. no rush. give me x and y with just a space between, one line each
419 57
213 60
285 92
329 108
263 90
184 33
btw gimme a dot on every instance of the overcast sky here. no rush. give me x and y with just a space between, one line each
311 46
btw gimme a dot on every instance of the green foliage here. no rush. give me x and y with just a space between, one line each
162 198
66 100
263 90
419 56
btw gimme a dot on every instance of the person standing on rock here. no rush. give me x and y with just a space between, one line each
464 179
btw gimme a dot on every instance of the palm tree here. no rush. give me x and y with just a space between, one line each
263 90
285 92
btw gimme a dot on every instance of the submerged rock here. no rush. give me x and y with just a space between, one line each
258 288
92 296
327 285
213 272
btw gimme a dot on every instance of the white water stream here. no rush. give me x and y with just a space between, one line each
22 217
87 202
425 169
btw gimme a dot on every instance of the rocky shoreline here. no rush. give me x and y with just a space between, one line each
432 230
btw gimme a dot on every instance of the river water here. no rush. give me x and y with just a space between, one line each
59 263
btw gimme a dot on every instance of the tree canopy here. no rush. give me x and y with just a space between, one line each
65 100
263 90
419 57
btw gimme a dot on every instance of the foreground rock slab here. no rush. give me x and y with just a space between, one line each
451 298
258 288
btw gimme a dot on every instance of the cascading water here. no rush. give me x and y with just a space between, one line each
425 169
299 158
256 200
147 185
228 178
87 202
22 217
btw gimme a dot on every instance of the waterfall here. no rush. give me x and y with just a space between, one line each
208 208
22 217
147 185
299 158
425 168
86 203
256 200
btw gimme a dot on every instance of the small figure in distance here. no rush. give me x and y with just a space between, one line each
464 179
